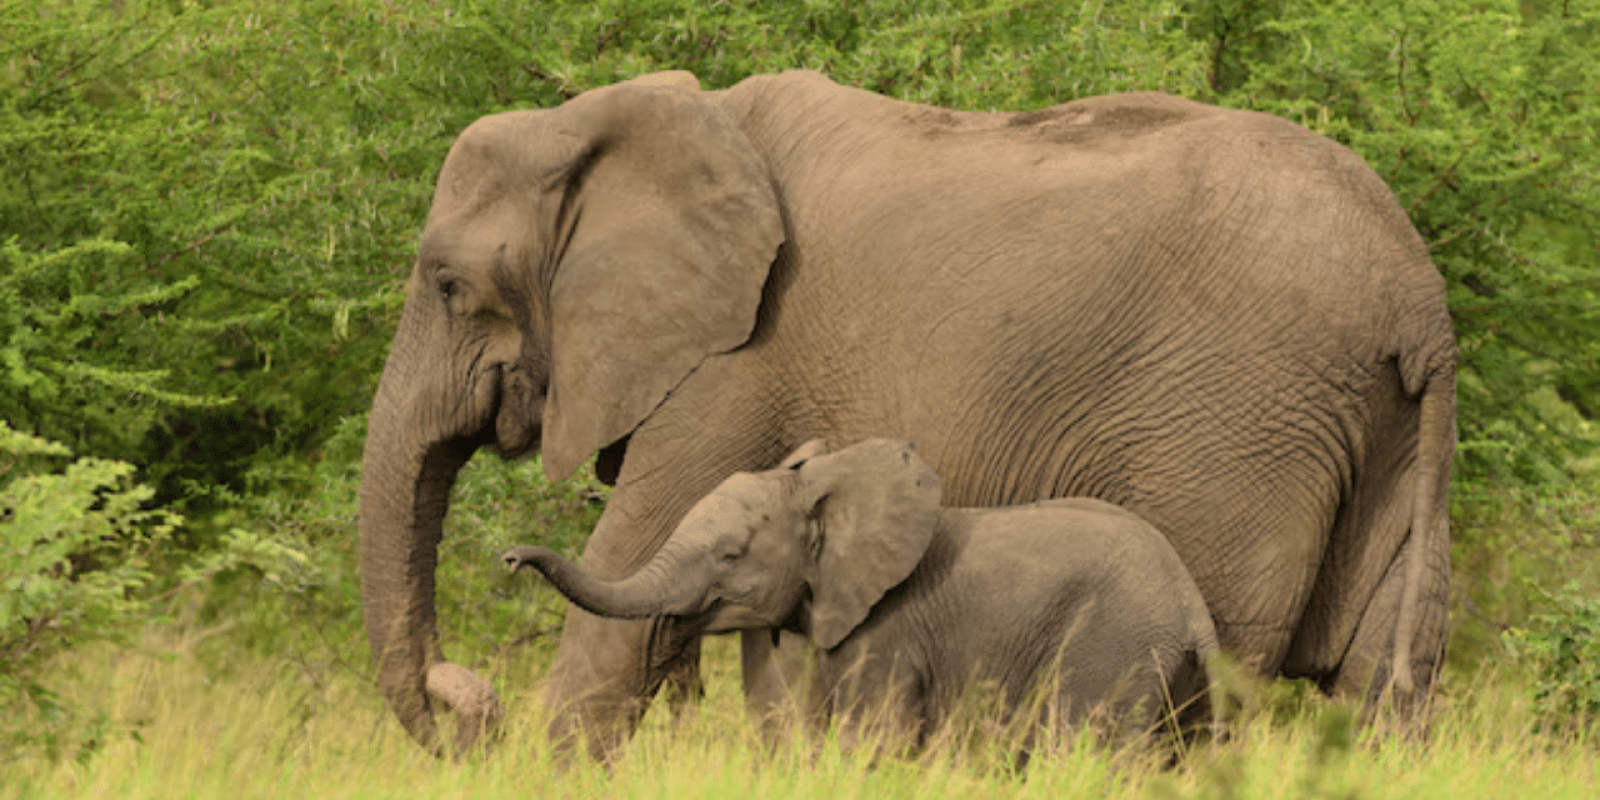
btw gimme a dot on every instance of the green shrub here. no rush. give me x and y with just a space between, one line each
206 202
75 555
78 563
1505 544
1563 648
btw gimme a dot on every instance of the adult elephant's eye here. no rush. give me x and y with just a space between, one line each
453 292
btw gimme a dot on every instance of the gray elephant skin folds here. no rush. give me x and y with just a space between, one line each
1214 320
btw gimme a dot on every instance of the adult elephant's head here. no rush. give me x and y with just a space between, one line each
577 263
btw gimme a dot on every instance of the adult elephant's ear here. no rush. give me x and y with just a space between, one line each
670 223
878 503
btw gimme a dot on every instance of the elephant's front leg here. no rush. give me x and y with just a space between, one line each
777 668
597 689
875 699
607 671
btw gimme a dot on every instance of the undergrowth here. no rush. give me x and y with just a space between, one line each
266 727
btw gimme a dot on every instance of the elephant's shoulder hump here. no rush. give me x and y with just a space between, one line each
786 85
1118 116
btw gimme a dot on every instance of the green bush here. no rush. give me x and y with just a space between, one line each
1562 646
1505 544
79 558
55 307
208 202
227 194
75 555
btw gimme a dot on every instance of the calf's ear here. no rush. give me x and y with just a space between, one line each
878 507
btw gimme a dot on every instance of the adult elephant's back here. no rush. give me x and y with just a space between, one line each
1216 318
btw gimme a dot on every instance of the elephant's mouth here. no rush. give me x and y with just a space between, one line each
517 409
724 615
608 464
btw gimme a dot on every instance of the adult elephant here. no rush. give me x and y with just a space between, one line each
1214 318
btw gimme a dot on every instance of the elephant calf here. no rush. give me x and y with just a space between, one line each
910 605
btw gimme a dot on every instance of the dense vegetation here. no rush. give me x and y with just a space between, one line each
208 210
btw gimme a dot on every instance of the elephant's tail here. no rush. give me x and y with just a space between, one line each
1435 446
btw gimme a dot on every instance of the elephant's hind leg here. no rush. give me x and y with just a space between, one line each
1367 667
1345 640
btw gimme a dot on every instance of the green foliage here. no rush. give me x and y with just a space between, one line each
53 309
220 200
1563 647
968 53
79 557
215 199
497 505
80 272
75 551
1505 544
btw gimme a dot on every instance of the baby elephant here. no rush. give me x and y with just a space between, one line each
911 605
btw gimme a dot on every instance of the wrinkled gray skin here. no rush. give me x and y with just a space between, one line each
911 605
1213 318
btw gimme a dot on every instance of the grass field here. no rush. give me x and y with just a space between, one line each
205 190
270 695
193 720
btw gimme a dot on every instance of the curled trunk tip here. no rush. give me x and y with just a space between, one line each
477 708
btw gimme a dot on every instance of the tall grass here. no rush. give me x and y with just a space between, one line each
263 688
188 721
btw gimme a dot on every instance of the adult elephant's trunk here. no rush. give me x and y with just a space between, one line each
660 588
405 490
